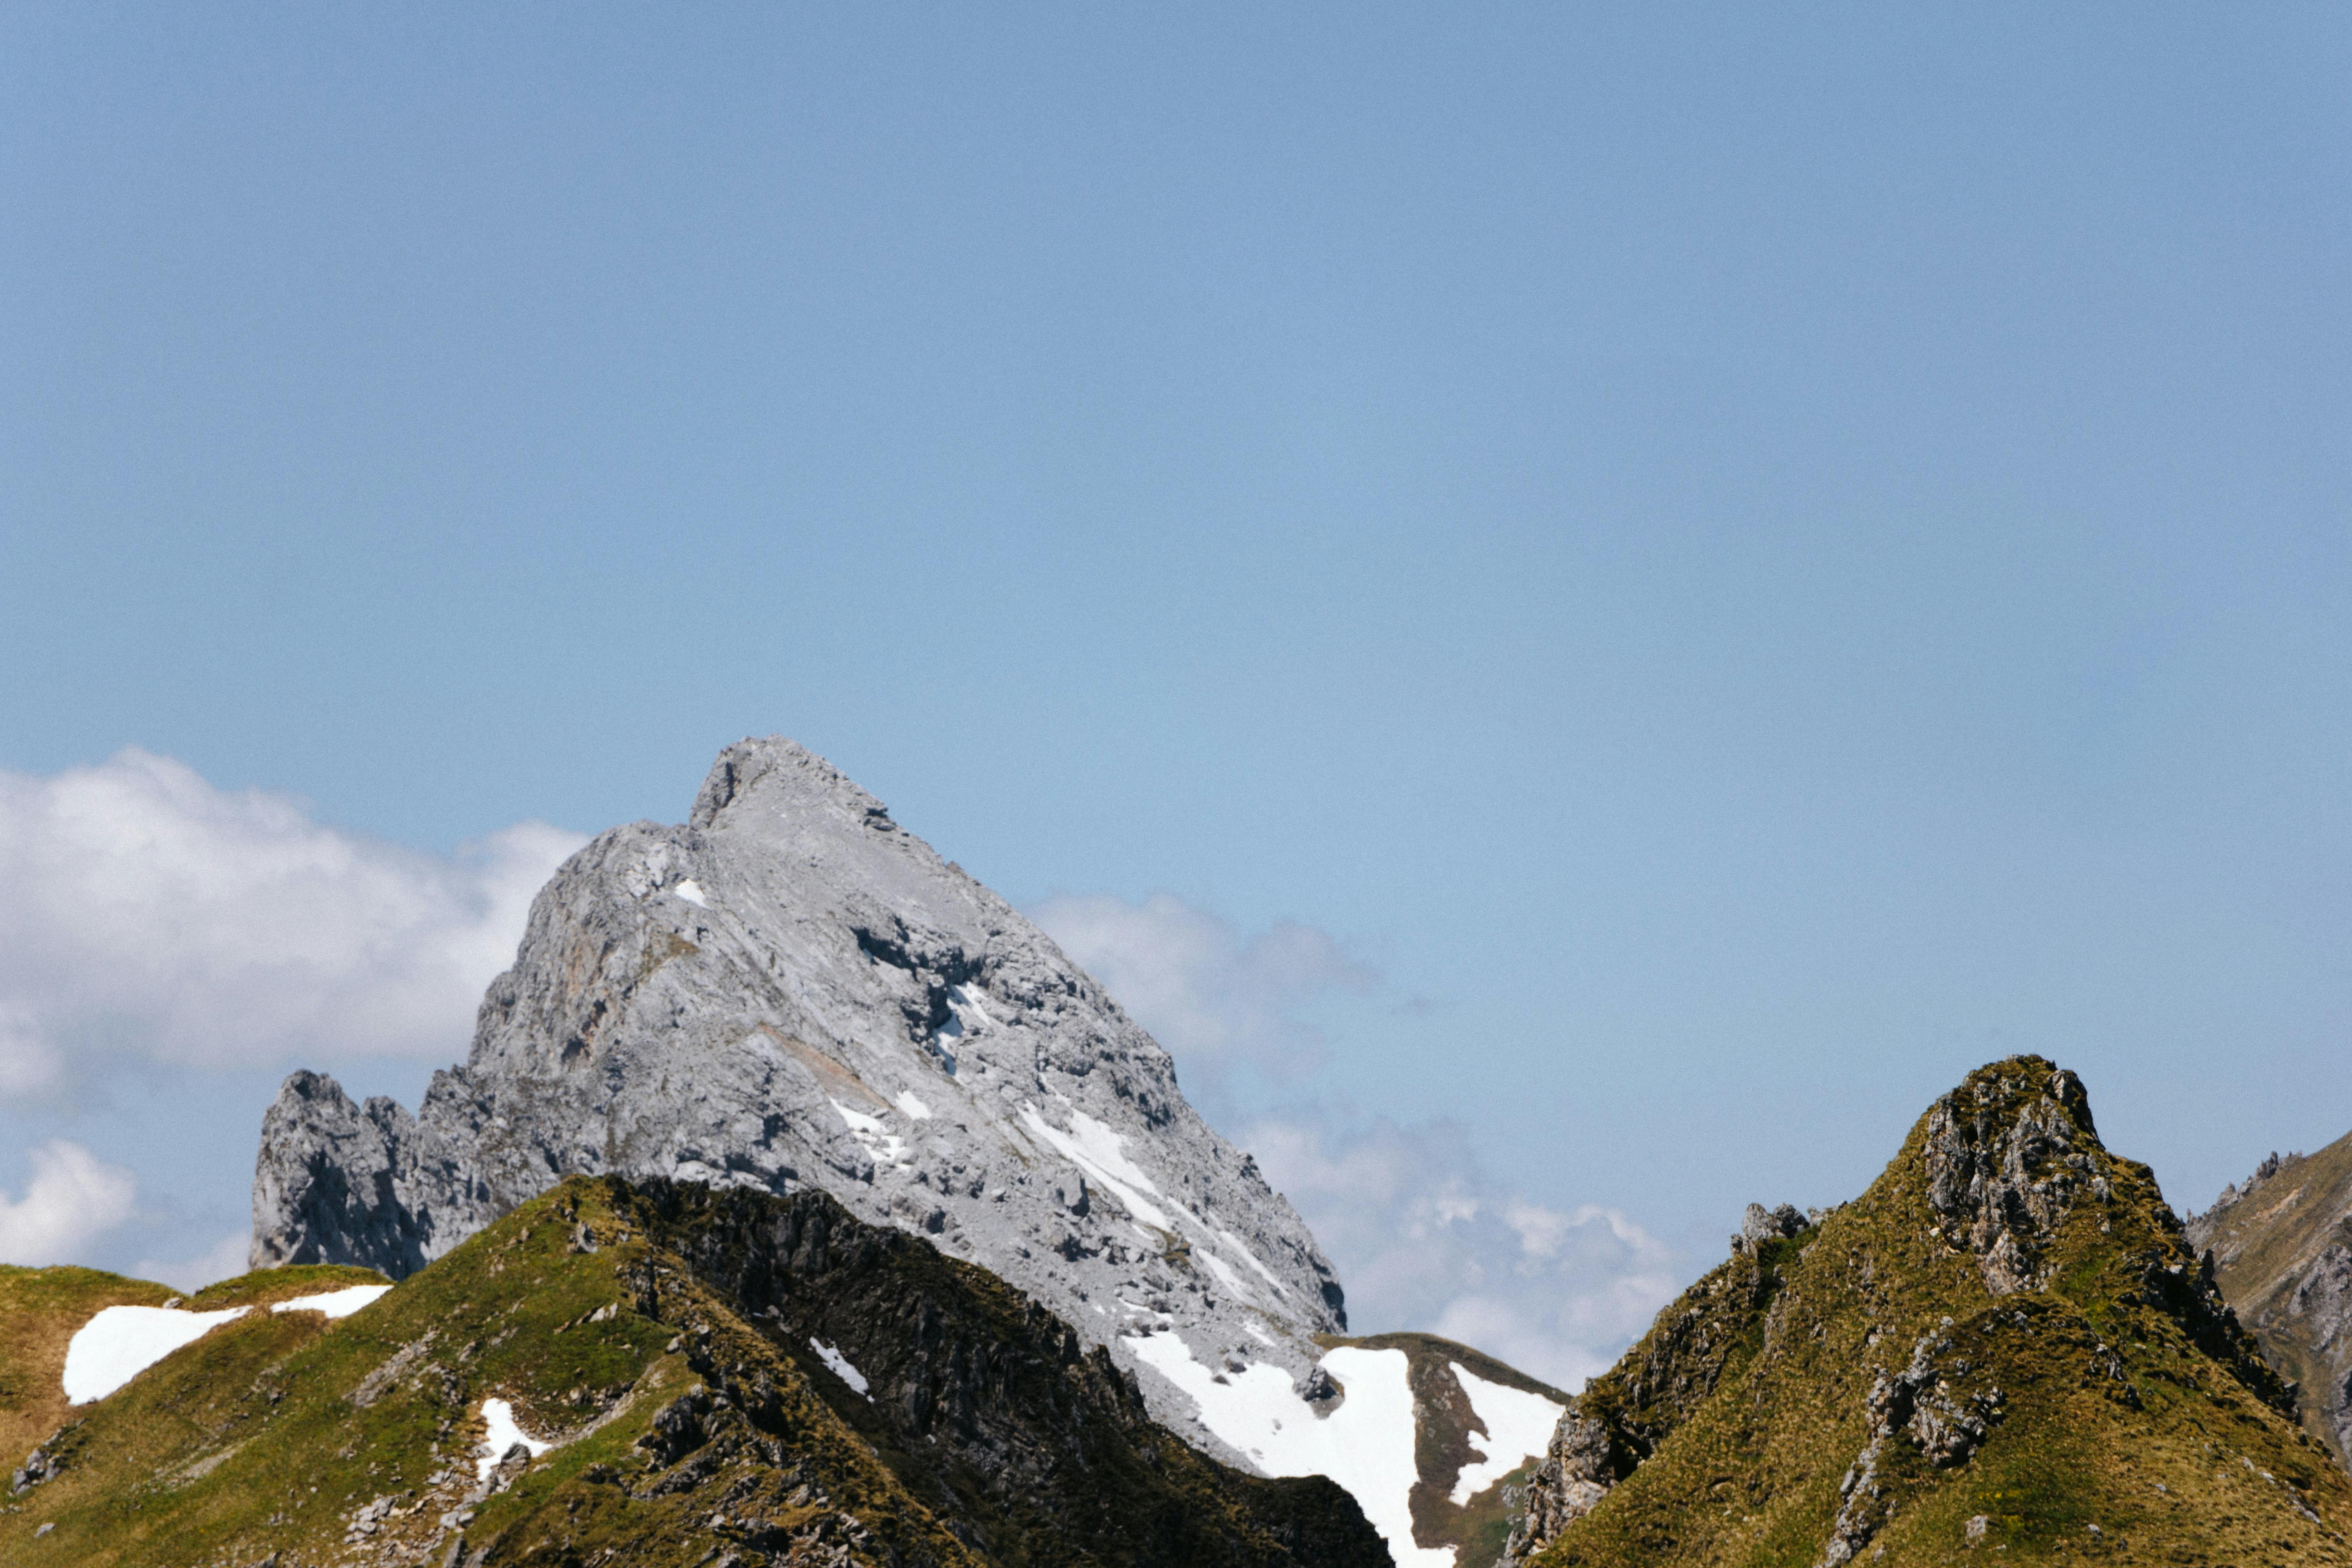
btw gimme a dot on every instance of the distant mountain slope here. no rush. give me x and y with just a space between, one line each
1425 1433
2282 1250
710 1376
791 991
1479 1426
2004 1345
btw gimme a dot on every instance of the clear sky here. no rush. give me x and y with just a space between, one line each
1730 563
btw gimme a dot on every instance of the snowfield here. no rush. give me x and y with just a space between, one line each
1518 1427
121 1343
1367 1444
335 1303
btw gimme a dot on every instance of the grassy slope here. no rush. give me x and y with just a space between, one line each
39 1311
252 1440
1443 1422
1750 1394
273 1433
2263 1245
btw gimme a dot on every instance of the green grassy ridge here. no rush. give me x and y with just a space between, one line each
694 1423
268 1435
39 1311
1733 1423
1443 1422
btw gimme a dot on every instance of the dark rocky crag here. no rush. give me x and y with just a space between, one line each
791 991
2006 1344
2281 1249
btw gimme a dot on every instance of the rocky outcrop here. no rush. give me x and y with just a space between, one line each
1623 1416
349 1184
2009 1298
1944 1423
789 990
2280 1248
2003 1173
1575 1475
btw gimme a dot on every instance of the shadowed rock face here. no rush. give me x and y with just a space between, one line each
791 990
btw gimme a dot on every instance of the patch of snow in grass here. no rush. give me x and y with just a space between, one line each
1366 1445
503 1435
840 1365
121 1343
1519 1427
334 1303
691 891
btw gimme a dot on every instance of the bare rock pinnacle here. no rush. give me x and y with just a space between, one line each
791 990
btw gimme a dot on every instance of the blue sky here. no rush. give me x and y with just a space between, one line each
1734 564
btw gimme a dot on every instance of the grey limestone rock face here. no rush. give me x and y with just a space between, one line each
791 990
1575 1473
2003 1178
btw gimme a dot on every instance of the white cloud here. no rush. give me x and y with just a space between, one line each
224 1259
72 1199
1424 1239
1422 1236
1216 1001
144 913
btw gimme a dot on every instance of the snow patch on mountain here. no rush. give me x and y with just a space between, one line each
1518 1426
1101 1154
503 1434
832 1358
334 1303
1366 1445
121 1343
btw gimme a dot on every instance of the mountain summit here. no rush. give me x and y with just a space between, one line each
791 990
2006 1345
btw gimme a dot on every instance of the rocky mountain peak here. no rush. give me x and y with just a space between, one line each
2009 1153
791 990
1946 1364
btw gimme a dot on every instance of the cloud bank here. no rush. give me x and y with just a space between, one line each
146 915
1422 1235
1220 1004
72 1199
1424 1239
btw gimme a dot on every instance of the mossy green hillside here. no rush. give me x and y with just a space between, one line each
660 1337
2004 1346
